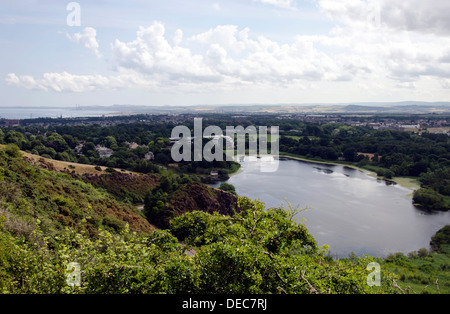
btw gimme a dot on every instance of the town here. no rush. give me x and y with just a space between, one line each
417 123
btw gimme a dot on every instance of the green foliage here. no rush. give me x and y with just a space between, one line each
439 180
28 193
421 272
227 187
429 198
441 239
386 173
247 253
12 150
49 220
264 251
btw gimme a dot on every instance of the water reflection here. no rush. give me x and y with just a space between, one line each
347 209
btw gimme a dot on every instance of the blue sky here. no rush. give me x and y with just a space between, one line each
223 52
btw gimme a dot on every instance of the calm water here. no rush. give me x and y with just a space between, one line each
346 208
33 113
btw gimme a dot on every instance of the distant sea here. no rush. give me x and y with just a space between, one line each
42 112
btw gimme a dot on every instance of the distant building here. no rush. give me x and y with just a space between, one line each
410 126
12 123
134 145
149 156
214 173
104 152
78 148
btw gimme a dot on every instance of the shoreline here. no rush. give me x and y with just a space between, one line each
406 182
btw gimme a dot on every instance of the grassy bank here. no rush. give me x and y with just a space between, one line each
421 272
407 182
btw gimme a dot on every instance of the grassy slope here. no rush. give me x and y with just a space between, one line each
64 166
32 196
426 274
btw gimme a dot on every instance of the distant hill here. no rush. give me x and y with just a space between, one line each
407 107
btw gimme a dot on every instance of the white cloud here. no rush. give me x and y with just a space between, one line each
417 15
412 15
226 58
59 82
394 37
178 37
379 58
88 39
151 54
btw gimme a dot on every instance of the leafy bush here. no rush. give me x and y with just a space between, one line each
12 150
227 187
250 252
429 198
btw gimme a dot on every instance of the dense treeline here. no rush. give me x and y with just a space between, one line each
136 147
61 143
388 152
403 153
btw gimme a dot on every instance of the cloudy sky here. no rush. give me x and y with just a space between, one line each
183 52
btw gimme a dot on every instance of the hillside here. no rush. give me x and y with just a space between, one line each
50 219
65 166
31 195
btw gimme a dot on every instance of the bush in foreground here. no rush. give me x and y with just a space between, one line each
256 251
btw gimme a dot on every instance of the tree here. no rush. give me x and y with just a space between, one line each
17 138
57 142
228 187
350 154
12 150
260 251
429 198
89 146
110 142
162 158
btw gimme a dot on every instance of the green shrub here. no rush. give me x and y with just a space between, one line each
227 187
12 150
429 198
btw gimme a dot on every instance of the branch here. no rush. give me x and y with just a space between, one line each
276 273
339 270
313 289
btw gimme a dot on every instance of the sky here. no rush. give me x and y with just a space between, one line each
220 52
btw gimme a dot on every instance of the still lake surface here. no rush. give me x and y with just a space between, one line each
51 112
346 208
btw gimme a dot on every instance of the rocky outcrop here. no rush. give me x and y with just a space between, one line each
200 197
194 197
